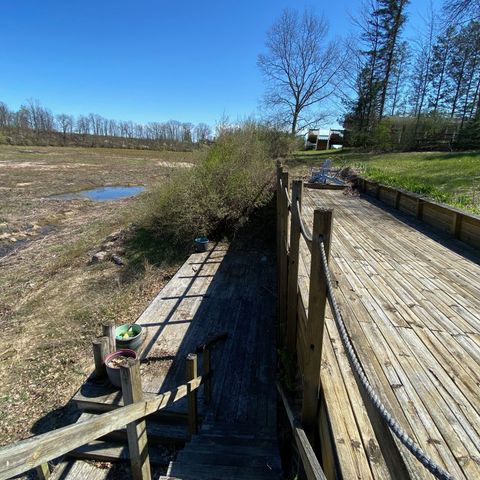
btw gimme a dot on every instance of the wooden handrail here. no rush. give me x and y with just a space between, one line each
26 454
310 463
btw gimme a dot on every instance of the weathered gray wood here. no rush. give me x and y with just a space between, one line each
207 386
310 463
283 271
28 454
322 229
109 331
192 395
136 430
100 350
419 208
43 471
291 338
456 224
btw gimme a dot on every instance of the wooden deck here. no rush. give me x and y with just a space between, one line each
411 302
228 289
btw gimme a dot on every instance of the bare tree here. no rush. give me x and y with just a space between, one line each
301 68
202 132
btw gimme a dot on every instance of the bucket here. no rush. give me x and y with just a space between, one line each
114 372
134 342
201 244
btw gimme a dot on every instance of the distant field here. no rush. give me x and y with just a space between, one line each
452 178
52 301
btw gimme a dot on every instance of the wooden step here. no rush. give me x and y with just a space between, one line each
231 459
116 452
167 433
259 449
198 471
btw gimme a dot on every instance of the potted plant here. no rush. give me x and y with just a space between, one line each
113 362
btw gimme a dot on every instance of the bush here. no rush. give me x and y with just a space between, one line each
215 197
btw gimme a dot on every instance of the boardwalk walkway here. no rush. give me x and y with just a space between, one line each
412 307
229 289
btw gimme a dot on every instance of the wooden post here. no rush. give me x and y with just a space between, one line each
279 245
283 272
136 431
109 331
43 471
292 295
377 191
101 347
322 229
419 209
207 386
192 373
456 224
397 199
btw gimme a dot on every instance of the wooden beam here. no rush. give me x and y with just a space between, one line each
293 257
322 229
457 224
137 430
419 209
192 394
43 471
310 463
100 347
109 331
28 454
283 271
397 199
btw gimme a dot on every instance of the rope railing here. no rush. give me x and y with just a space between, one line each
305 231
394 426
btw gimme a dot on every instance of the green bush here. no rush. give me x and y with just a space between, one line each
216 196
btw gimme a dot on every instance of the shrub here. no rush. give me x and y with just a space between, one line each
216 196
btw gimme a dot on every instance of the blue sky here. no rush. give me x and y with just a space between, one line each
146 60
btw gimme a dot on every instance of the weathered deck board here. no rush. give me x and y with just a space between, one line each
411 301
226 290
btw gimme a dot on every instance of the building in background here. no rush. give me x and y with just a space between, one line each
324 139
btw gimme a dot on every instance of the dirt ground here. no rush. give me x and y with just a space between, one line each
53 300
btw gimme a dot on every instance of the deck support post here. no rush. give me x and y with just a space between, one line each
101 347
207 386
293 259
192 373
419 209
282 253
136 431
397 199
456 224
109 331
322 230
43 471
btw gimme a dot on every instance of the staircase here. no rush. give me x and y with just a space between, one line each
226 451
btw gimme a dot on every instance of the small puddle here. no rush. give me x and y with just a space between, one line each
101 194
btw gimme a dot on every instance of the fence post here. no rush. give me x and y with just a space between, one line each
283 271
419 209
136 431
43 471
100 351
292 295
207 386
192 373
109 331
322 229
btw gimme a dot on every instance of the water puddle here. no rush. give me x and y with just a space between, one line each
101 194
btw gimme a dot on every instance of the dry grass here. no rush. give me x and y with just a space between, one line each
52 301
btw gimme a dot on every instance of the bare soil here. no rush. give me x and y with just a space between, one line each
53 299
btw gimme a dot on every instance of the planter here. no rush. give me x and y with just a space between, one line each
201 244
133 343
113 372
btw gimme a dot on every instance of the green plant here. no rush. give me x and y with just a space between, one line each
216 197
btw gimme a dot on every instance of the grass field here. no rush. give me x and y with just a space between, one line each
52 300
452 178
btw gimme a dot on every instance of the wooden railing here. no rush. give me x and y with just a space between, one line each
35 452
462 225
301 330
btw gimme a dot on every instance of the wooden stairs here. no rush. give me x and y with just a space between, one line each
232 451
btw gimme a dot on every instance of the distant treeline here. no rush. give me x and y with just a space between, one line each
34 124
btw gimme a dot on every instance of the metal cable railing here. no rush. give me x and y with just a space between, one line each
394 426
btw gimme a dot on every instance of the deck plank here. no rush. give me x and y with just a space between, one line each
411 301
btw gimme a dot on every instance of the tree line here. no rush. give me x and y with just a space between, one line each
35 124
388 91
